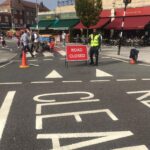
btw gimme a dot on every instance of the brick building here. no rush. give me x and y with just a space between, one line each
19 13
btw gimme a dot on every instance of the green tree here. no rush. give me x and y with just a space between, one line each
88 11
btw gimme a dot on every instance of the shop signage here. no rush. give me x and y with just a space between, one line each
65 2
76 53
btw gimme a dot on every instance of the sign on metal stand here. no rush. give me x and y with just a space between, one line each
76 53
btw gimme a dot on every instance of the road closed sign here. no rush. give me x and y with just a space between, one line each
76 53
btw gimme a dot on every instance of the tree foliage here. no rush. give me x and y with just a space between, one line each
88 11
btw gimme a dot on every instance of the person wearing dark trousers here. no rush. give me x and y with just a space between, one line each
94 41
25 43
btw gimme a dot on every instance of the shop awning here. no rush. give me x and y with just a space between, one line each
80 26
43 24
100 24
64 24
138 11
130 23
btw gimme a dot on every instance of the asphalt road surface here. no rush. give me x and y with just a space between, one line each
51 106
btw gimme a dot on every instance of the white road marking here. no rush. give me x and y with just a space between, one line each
39 82
146 79
63 53
100 73
142 98
3 66
99 80
120 80
9 83
105 57
48 54
120 60
53 74
146 103
4 110
47 59
96 138
77 81
144 65
147 94
39 119
62 58
33 60
37 98
28 55
140 147
36 65
39 106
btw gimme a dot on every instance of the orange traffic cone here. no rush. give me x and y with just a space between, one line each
24 61
132 61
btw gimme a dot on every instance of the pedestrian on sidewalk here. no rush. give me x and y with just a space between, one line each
95 42
25 43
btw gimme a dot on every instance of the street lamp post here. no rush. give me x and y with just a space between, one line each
126 2
37 19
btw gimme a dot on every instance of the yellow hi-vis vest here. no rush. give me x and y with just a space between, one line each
94 40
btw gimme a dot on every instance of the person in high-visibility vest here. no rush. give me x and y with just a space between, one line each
95 42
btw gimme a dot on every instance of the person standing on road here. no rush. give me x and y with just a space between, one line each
95 42
36 41
3 41
25 43
63 36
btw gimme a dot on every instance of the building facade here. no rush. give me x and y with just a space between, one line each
19 13
64 5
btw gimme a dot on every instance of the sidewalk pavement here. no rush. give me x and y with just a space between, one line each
143 56
6 56
110 51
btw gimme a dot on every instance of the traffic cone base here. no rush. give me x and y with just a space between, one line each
21 66
132 61
24 61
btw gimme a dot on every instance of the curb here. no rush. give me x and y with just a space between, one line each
7 60
127 59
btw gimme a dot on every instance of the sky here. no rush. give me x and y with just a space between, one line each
51 4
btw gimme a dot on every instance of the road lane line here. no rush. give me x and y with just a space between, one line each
39 82
4 110
77 81
120 80
146 79
8 83
99 80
